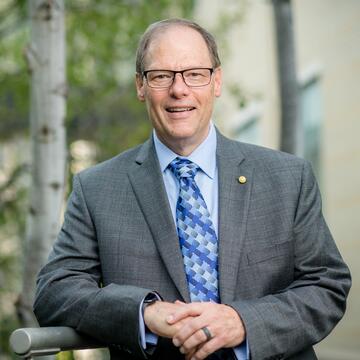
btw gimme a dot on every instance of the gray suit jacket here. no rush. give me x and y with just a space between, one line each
278 264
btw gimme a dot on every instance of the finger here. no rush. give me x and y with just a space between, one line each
189 328
207 349
186 310
193 342
178 302
154 317
189 355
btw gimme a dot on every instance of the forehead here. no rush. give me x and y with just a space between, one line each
177 48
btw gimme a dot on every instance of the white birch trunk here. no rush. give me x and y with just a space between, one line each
46 60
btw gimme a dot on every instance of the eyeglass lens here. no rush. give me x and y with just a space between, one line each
191 77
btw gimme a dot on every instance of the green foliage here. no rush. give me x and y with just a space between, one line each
65 355
14 99
102 37
12 200
8 324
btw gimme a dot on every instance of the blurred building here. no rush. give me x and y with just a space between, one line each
327 34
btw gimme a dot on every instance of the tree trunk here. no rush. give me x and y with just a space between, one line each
289 140
46 61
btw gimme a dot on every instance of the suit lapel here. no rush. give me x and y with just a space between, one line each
146 180
234 199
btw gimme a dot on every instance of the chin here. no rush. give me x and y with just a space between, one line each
182 133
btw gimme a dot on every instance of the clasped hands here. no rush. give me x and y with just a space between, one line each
183 323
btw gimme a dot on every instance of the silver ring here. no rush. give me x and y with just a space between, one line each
207 333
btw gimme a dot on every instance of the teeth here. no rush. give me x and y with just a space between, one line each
179 109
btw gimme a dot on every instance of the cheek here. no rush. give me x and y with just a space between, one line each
155 112
208 104
154 103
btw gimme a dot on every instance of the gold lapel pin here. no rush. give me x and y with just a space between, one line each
242 179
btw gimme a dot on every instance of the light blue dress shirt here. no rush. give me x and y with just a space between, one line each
207 180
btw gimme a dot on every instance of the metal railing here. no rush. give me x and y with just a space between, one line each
29 342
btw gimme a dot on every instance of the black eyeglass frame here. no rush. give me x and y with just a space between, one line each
144 74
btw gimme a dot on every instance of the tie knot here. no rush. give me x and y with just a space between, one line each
183 168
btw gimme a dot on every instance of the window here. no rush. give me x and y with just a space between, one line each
311 123
248 130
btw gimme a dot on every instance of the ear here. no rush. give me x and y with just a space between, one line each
139 82
217 81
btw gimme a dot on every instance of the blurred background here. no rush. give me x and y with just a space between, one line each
104 117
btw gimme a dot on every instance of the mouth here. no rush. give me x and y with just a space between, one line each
178 109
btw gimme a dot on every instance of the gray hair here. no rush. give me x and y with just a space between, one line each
162 25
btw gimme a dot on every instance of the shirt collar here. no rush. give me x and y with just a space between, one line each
204 155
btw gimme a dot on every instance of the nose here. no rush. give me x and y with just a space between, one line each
178 88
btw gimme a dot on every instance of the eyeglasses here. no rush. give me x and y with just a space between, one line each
162 79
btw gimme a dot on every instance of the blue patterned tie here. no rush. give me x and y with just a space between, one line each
197 236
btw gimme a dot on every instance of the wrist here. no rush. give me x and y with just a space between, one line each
149 300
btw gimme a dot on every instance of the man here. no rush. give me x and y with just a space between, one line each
192 245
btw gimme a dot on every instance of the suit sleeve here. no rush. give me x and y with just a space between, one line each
69 287
303 313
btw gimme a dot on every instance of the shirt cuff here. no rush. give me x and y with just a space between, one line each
242 351
146 336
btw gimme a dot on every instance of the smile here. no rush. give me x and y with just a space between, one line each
179 109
